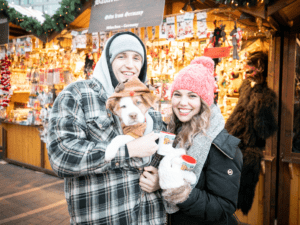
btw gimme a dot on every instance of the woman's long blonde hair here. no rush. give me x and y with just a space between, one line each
198 124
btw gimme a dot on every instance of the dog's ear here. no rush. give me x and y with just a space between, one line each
111 104
150 99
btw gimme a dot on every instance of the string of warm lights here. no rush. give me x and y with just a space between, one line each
66 14
249 3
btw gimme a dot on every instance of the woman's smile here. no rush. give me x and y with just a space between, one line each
185 104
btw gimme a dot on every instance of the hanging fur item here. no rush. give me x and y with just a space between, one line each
253 121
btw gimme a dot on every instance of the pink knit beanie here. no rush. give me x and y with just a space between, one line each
197 77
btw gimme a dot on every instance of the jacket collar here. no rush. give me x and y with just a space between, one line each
226 143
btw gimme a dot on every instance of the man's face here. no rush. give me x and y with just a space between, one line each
127 65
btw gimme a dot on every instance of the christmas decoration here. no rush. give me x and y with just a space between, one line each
249 3
66 14
5 86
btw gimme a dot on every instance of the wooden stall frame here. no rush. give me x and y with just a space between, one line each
287 157
22 164
270 156
4 143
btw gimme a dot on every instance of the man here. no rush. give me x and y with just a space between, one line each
81 128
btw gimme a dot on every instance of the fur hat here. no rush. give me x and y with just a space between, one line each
197 77
132 87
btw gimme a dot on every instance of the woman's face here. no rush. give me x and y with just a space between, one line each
185 104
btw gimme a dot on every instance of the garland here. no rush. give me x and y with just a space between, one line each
66 14
70 9
249 3
5 86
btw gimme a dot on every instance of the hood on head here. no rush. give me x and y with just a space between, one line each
104 72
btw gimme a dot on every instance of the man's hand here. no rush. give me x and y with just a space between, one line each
149 181
143 146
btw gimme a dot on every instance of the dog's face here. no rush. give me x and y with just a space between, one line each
131 110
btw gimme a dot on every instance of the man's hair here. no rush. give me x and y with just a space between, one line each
198 124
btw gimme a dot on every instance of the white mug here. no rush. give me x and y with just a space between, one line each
165 142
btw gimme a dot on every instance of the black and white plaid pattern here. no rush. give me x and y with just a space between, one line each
98 192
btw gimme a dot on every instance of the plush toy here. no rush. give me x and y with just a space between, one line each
253 121
216 35
175 182
236 36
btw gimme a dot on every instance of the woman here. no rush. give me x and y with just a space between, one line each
199 128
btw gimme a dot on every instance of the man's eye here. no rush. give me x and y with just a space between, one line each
123 106
138 102
137 58
193 96
120 57
176 94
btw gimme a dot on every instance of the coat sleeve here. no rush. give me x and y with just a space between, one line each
218 198
70 152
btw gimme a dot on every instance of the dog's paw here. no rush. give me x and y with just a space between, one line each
114 146
111 152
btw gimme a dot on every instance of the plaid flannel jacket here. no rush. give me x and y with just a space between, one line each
98 192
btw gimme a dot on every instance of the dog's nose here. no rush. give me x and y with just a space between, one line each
133 115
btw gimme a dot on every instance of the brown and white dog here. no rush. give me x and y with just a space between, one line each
130 103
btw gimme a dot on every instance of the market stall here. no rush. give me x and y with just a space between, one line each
39 71
41 67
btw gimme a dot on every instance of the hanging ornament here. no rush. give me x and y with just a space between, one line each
5 86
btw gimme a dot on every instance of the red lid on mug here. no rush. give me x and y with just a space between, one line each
189 159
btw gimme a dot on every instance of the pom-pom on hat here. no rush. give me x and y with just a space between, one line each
197 77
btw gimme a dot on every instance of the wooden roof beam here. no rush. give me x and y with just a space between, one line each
296 25
207 3
277 6
19 32
255 11
282 20
273 23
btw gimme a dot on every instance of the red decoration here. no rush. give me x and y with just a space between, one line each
5 82
131 93
218 52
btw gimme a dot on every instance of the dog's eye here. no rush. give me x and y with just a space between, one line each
123 106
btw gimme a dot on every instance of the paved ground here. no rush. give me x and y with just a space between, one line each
31 198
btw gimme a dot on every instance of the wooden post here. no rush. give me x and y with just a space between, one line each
286 127
271 143
3 152
42 154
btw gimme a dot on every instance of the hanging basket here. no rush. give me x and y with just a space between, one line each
218 52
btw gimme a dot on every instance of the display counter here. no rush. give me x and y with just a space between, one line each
22 146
